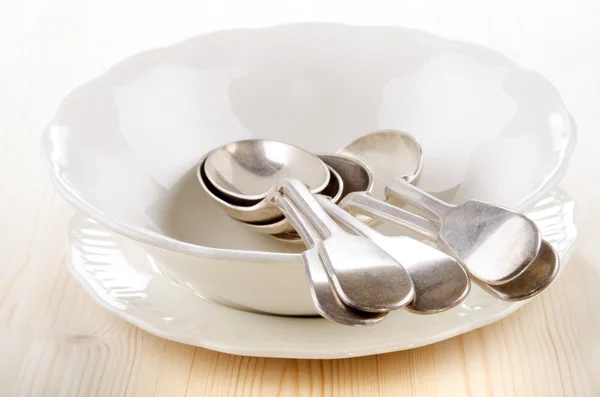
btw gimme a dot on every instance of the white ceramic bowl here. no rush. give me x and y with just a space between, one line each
123 147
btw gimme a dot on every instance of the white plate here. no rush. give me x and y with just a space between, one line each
123 278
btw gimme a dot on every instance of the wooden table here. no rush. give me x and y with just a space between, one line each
55 341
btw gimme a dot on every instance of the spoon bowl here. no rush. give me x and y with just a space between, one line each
494 243
241 210
323 294
248 169
282 228
364 276
440 282
389 154
354 176
348 176
535 279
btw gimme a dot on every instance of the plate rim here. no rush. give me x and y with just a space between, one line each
291 351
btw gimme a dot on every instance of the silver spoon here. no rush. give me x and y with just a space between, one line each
496 244
364 276
282 228
440 282
348 175
389 154
356 177
262 213
335 188
536 277
326 301
245 170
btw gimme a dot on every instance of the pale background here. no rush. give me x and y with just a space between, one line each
55 341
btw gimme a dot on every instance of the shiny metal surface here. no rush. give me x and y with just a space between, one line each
263 211
440 282
262 216
357 176
364 276
389 154
249 169
289 238
536 278
281 226
282 229
362 203
496 244
335 187
326 300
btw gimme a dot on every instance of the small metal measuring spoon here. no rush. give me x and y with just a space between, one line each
364 276
389 154
335 188
353 177
263 216
536 277
440 282
282 228
357 176
326 301
246 170
262 211
495 243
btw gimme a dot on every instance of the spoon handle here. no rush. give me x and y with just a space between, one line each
348 220
325 298
417 197
307 232
323 294
309 207
371 206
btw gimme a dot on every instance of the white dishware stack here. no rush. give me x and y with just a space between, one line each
234 181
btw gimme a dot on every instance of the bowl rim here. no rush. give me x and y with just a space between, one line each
161 241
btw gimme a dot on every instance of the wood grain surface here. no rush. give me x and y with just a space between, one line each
55 341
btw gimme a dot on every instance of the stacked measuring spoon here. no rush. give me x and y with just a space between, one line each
357 275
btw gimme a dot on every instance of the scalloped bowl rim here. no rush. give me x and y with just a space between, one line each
161 241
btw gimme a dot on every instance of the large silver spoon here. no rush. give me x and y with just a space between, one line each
364 276
440 282
536 277
495 243
245 170
326 301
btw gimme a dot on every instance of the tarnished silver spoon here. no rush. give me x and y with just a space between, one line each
324 297
440 282
364 276
495 243
245 170
389 154
536 277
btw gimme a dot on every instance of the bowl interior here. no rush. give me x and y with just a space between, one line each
124 146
